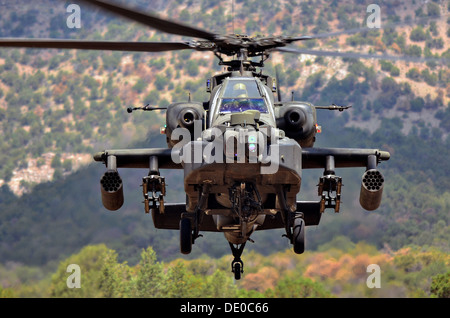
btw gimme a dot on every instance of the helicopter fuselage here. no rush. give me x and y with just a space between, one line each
236 161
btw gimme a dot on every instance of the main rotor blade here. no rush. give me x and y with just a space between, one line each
298 38
413 59
95 45
153 21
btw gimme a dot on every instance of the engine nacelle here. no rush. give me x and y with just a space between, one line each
371 189
182 115
111 186
298 120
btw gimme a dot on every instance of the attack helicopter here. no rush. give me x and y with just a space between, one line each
242 151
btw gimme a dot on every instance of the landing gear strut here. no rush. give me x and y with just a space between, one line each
298 235
294 224
190 222
237 265
188 233
246 208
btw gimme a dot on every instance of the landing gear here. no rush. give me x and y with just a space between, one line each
185 236
294 223
298 235
237 265
246 206
189 228
190 222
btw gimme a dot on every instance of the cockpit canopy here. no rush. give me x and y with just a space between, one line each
240 95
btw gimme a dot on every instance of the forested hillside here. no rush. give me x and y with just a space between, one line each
336 269
59 107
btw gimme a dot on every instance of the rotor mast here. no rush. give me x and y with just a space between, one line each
241 62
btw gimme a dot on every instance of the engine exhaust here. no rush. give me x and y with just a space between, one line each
371 189
112 190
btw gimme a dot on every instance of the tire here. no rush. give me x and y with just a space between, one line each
299 235
237 271
185 236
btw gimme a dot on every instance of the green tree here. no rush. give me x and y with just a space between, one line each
6 293
158 64
192 68
179 282
56 161
440 285
67 165
150 280
220 285
161 82
139 86
433 9
417 104
115 280
414 74
91 261
298 287
418 34
413 50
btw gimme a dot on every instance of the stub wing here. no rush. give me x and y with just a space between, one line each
139 158
314 158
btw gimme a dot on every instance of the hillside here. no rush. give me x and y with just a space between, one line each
59 107
72 103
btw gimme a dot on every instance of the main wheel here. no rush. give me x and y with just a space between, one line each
299 235
237 269
185 236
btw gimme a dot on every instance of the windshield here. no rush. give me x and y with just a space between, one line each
234 105
241 95
242 89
